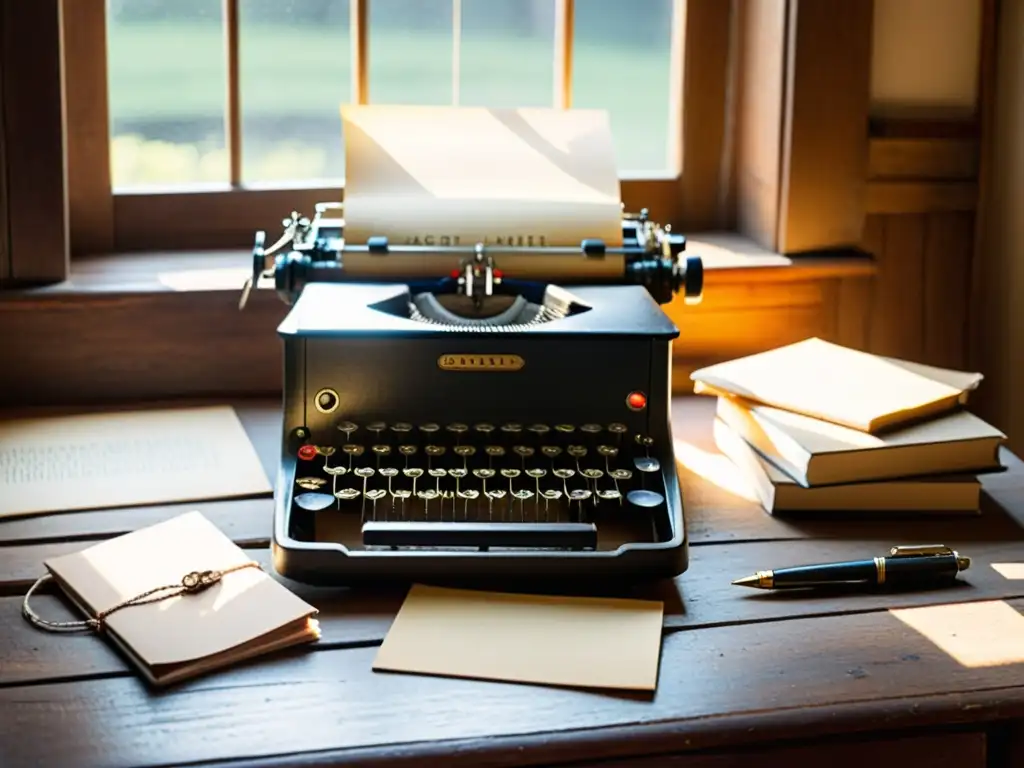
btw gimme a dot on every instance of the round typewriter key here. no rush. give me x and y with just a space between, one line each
579 494
524 451
382 450
434 450
497 495
407 450
494 450
523 494
565 429
464 450
429 429
484 474
551 451
512 428
608 451
609 495
401 493
363 472
646 464
457 428
375 493
645 441
590 429
413 472
551 495
314 502
310 483
388 472
536 473
563 474
484 429
457 472
401 428
347 494
469 494
577 451
427 494
307 452
325 450
352 449
620 474
437 472
539 429
335 471
376 427
510 473
618 429
592 474
644 498
347 428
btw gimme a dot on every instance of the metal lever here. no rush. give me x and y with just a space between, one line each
479 269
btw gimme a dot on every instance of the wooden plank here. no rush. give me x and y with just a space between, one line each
920 159
825 146
33 123
853 308
699 190
718 686
898 197
952 750
702 597
90 200
947 269
759 120
897 323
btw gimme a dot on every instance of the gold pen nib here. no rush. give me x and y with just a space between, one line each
749 581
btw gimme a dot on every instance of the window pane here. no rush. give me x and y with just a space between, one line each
294 67
410 58
621 63
167 78
507 53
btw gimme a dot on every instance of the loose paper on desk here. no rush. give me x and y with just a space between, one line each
462 175
569 641
120 459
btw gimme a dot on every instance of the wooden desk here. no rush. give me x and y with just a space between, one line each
747 679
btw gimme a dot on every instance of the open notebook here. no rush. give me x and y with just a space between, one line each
246 614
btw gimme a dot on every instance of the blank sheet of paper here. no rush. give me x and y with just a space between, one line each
571 641
124 459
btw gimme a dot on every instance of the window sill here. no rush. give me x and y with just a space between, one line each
164 325
728 258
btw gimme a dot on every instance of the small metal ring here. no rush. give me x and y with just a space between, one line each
332 393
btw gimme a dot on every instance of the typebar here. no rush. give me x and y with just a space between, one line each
475 534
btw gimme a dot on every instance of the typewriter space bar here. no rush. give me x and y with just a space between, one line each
454 534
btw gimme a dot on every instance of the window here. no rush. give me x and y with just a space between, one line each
223 115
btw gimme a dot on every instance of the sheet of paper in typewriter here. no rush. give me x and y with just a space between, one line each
463 175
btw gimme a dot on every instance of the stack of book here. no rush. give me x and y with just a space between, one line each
816 426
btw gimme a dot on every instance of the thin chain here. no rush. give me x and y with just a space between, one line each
190 584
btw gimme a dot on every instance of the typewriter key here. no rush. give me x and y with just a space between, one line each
314 502
646 464
590 429
376 427
457 429
565 429
494 450
465 451
346 494
429 429
334 471
389 473
307 452
551 451
610 495
539 429
618 430
577 451
645 499
348 429
382 450
620 474
414 473
484 429
483 474
564 474
401 428
310 483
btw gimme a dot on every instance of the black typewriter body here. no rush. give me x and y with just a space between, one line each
521 436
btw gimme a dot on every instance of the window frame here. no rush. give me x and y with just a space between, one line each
105 220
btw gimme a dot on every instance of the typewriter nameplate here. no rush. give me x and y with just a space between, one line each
480 362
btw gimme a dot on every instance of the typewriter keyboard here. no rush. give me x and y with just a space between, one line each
481 485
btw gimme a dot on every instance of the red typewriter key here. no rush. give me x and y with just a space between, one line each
307 452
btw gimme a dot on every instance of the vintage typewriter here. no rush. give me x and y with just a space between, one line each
475 412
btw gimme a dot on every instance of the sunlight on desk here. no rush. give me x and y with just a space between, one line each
986 634
713 467
1010 571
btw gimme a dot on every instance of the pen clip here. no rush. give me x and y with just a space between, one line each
921 550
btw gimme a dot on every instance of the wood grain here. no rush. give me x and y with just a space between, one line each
33 128
713 684
922 158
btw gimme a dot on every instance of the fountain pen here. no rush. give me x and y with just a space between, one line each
926 565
